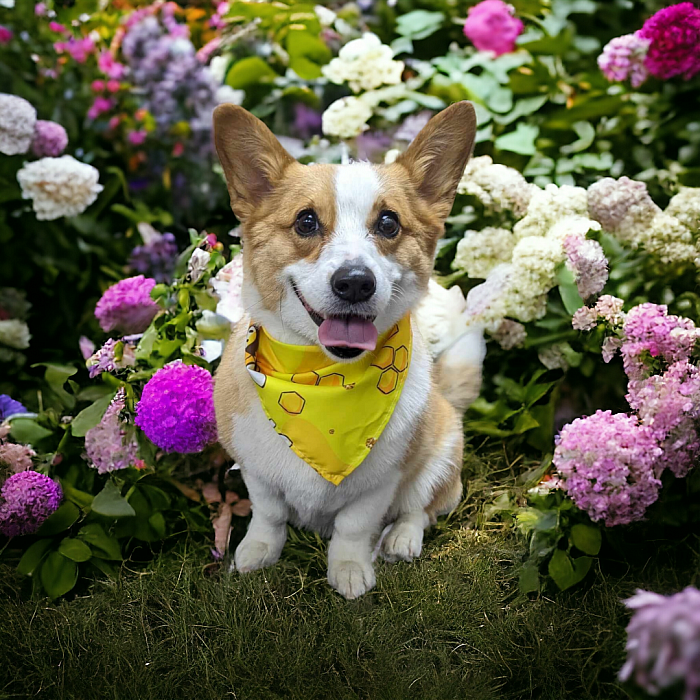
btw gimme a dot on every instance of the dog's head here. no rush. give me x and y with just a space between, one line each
336 255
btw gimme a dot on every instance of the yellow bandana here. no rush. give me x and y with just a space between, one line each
330 413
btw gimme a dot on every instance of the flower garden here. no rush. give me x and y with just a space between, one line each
572 566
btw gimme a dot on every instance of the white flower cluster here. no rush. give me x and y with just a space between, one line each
685 206
346 118
498 187
59 186
550 205
14 333
364 64
480 251
17 122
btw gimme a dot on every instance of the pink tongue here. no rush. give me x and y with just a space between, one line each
348 332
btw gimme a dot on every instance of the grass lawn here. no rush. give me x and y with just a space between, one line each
451 625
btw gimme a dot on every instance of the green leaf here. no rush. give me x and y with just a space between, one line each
567 572
529 579
568 291
74 549
56 376
587 538
526 421
522 140
89 417
586 135
249 71
58 575
81 498
419 24
111 503
307 53
28 431
33 557
60 520
107 546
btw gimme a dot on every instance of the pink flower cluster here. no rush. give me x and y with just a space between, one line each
668 45
663 641
111 444
586 259
127 306
491 26
79 49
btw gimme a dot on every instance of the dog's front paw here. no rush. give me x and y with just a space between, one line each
403 542
252 554
351 578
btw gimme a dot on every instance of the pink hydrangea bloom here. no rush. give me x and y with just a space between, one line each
650 331
40 9
606 461
26 500
610 347
99 107
609 308
50 139
176 410
5 35
56 27
16 458
111 444
623 58
110 67
491 26
586 260
105 359
127 306
585 319
674 33
136 138
663 641
79 49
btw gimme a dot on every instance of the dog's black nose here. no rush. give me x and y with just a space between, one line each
353 283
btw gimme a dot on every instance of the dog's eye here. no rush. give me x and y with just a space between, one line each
387 224
307 223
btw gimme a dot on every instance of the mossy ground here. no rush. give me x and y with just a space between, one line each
451 625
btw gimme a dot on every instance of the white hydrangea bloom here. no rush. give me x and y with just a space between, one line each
509 334
346 118
59 186
440 316
667 238
197 264
364 64
573 225
391 155
226 95
480 251
486 303
14 333
325 16
228 287
685 206
498 187
548 205
17 121
553 357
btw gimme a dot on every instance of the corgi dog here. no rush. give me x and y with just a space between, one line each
336 257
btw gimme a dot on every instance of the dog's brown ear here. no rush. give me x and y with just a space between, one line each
438 155
252 158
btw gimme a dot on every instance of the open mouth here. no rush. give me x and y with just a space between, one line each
346 335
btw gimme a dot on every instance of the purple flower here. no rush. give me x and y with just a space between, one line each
491 26
650 332
674 33
176 411
307 121
156 258
606 461
663 641
127 306
5 35
26 500
586 260
623 58
50 139
9 407
111 445
113 356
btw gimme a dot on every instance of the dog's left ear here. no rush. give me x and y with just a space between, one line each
438 155
251 156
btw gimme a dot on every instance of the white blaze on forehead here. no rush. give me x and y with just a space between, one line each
356 190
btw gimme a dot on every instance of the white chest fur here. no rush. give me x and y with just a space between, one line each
313 501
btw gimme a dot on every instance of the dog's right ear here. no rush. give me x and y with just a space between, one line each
252 158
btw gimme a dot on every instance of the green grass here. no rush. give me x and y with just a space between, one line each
448 626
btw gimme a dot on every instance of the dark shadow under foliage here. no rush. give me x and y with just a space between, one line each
451 625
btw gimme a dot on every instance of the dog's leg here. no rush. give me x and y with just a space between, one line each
350 569
267 532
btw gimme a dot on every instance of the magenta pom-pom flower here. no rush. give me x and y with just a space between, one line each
674 36
50 139
663 641
127 306
492 26
176 410
26 500
623 57
607 463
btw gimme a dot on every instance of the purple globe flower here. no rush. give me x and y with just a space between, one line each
176 411
8 407
663 641
50 139
157 258
26 500
127 306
